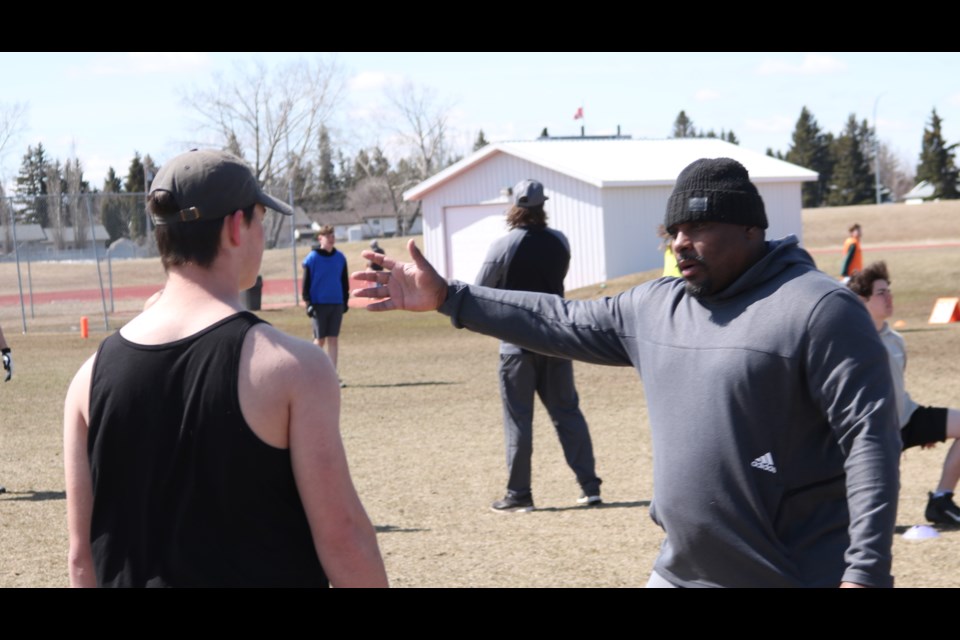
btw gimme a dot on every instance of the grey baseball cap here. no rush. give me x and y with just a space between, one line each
528 193
209 184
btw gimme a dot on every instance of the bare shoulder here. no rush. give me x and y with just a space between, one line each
280 378
275 354
77 402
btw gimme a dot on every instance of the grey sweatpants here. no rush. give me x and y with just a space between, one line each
521 376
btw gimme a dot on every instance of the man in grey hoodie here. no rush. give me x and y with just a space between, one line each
775 439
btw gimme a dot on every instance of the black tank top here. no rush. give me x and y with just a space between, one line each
184 493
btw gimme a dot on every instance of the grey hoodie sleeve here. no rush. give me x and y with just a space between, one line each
849 378
590 331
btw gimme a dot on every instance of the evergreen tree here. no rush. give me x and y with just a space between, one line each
937 160
853 181
332 196
810 149
683 127
111 206
480 142
732 139
32 183
112 183
544 133
134 183
371 165
345 171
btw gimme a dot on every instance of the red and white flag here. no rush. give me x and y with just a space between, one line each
579 114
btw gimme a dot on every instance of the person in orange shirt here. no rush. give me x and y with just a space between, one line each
852 255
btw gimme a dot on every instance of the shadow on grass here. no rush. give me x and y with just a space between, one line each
389 528
922 329
605 505
427 383
903 528
32 496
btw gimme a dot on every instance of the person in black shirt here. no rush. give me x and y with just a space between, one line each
195 454
534 257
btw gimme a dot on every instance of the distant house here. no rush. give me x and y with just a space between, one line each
69 239
28 236
30 233
923 191
355 225
607 196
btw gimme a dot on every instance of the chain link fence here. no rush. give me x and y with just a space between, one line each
69 256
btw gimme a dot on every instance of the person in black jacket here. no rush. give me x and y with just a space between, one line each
534 257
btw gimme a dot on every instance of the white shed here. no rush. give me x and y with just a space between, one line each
607 195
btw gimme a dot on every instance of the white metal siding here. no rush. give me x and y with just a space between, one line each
633 215
612 232
574 208
783 203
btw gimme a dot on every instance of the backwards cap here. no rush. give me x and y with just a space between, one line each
208 184
528 193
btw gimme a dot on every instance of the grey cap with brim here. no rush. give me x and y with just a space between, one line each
208 184
529 193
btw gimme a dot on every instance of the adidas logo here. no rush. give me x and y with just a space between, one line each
765 462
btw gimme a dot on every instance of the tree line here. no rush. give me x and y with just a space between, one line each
282 120
847 163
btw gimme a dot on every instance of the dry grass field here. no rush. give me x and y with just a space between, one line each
422 427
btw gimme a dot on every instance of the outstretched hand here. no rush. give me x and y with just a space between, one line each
408 286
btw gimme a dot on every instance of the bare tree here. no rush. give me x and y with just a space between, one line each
271 116
5 213
896 174
421 123
73 175
12 122
54 203
379 188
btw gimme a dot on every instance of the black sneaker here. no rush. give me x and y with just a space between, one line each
942 510
590 501
513 504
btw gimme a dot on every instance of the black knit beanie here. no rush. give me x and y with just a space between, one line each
715 190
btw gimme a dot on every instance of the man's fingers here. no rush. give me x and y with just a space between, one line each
383 305
365 276
416 254
378 258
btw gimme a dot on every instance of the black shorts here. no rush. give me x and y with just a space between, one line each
926 425
326 320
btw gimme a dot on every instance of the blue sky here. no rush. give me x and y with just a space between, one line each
101 107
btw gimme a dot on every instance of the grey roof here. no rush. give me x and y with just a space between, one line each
68 233
344 217
30 233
